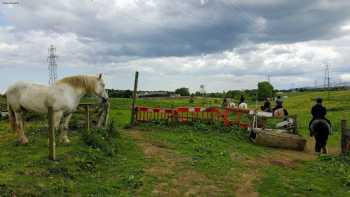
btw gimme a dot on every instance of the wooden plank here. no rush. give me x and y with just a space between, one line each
52 145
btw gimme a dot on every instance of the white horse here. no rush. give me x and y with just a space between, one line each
64 97
243 106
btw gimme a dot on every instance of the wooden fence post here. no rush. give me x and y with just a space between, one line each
295 128
52 148
345 137
134 95
87 108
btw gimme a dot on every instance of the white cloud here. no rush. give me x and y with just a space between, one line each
223 44
345 77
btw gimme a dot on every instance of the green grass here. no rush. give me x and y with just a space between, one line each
218 154
78 171
325 177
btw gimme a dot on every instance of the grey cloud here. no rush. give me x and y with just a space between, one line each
223 40
182 28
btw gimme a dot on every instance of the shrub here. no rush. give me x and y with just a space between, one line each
104 139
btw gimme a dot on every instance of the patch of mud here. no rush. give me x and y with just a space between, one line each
245 188
278 157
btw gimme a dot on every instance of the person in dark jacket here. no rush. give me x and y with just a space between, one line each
267 105
318 126
278 100
279 105
241 100
318 111
224 102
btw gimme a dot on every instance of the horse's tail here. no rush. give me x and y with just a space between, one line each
12 118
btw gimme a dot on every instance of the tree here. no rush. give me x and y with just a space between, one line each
265 89
183 91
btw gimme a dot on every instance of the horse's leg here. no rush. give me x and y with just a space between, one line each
20 128
317 144
57 116
324 149
12 118
64 128
324 143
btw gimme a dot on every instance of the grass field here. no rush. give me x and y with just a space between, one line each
158 160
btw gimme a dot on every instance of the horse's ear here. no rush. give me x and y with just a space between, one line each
100 76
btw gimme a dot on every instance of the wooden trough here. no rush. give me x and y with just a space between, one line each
277 139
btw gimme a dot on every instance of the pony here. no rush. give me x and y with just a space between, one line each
279 113
320 129
243 106
63 96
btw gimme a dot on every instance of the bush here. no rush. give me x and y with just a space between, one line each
104 139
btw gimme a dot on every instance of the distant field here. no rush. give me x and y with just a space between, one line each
158 160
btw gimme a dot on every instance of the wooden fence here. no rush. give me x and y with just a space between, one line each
227 116
345 138
3 107
88 109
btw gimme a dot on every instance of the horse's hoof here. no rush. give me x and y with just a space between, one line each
23 141
64 140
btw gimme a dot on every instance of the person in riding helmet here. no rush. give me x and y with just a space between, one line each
241 100
267 105
224 102
318 128
278 107
318 111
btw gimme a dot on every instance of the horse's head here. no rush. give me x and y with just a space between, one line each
100 90
90 85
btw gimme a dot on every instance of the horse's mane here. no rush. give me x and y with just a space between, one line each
80 82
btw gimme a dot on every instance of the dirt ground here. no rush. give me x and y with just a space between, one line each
187 182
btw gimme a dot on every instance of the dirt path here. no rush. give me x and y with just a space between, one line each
175 178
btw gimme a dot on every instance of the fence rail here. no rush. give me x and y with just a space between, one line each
3 107
227 116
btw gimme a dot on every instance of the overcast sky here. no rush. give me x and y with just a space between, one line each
223 44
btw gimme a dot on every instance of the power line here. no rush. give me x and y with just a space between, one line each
327 79
52 65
